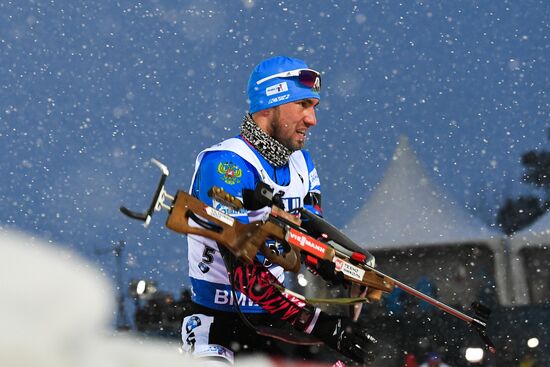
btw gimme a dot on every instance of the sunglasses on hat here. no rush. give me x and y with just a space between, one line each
307 77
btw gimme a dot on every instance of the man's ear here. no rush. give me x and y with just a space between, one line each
262 114
263 119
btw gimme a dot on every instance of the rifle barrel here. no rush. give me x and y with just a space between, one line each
442 306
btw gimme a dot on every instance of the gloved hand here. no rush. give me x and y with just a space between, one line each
347 337
325 269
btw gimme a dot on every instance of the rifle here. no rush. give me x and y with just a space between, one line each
189 215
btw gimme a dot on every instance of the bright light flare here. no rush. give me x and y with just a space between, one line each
533 342
302 280
474 355
140 288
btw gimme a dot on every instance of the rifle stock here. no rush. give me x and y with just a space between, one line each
243 240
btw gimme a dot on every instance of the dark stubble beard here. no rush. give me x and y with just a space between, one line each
276 128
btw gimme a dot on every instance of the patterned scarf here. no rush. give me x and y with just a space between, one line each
273 151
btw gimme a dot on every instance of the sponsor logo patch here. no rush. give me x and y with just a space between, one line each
314 179
219 350
219 216
278 99
348 269
227 210
309 244
192 323
276 89
203 267
225 297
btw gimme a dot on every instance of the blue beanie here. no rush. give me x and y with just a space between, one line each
276 91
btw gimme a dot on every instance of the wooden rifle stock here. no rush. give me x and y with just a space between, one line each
243 240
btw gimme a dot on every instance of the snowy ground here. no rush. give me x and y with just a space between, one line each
57 310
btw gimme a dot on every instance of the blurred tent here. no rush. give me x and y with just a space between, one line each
415 230
530 262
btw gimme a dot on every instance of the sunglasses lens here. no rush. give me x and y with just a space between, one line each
310 79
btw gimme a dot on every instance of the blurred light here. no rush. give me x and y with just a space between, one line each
533 342
140 287
474 355
302 280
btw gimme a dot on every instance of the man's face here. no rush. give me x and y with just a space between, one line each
290 122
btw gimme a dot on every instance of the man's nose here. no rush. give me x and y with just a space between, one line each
310 118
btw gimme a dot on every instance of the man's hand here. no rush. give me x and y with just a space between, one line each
345 336
325 269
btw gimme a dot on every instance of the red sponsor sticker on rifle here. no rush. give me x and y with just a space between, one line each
306 243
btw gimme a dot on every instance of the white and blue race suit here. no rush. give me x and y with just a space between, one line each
235 165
